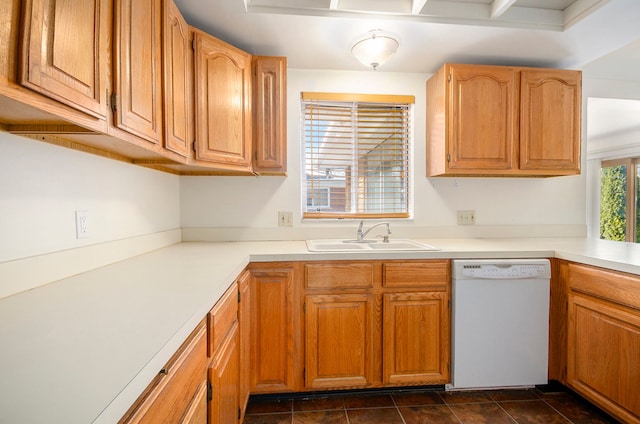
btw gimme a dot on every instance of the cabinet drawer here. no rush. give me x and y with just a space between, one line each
221 318
339 275
169 396
617 287
406 274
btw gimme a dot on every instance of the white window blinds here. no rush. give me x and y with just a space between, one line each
356 155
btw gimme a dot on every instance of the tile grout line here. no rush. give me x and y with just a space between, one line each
559 413
398 409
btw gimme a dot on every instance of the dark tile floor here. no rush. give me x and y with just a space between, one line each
526 406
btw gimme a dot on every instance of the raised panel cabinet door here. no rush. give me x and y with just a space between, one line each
178 81
138 70
224 378
339 348
272 330
481 118
416 338
65 52
223 102
550 120
603 355
270 114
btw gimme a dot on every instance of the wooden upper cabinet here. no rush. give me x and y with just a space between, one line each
270 115
138 70
65 52
481 118
178 81
551 104
223 103
503 121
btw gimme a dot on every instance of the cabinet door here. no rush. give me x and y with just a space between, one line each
273 340
223 93
244 319
339 332
416 338
64 54
138 71
270 115
603 351
178 81
481 118
197 411
224 379
170 396
550 117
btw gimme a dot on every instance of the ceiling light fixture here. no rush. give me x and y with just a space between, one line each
374 48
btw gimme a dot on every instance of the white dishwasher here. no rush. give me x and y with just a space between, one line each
500 323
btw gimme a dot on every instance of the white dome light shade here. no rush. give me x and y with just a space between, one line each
375 48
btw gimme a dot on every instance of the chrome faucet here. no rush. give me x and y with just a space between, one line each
362 233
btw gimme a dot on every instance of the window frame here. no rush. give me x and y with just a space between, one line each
406 172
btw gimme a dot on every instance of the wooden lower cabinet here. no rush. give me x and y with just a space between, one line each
603 339
377 323
197 411
416 338
275 326
244 338
340 338
170 397
224 375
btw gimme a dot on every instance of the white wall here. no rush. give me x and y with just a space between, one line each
247 207
42 185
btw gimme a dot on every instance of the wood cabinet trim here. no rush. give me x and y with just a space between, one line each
613 286
169 394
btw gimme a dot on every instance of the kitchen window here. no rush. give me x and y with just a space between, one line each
356 155
619 197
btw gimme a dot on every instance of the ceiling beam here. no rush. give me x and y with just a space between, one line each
417 6
498 7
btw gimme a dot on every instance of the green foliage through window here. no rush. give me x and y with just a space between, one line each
620 200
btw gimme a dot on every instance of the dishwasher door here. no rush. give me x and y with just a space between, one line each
500 323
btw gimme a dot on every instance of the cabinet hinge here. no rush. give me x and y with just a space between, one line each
209 391
449 78
193 146
304 374
239 413
114 102
239 296
448 157
193 44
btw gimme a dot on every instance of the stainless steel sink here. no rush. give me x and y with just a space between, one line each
333 245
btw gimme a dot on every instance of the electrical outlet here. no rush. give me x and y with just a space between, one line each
82 224
467 217
285 219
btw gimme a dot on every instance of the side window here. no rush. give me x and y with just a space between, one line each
356 155
619 197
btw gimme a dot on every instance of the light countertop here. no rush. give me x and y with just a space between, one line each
82 349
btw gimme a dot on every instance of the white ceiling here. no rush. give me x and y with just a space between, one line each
599 36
